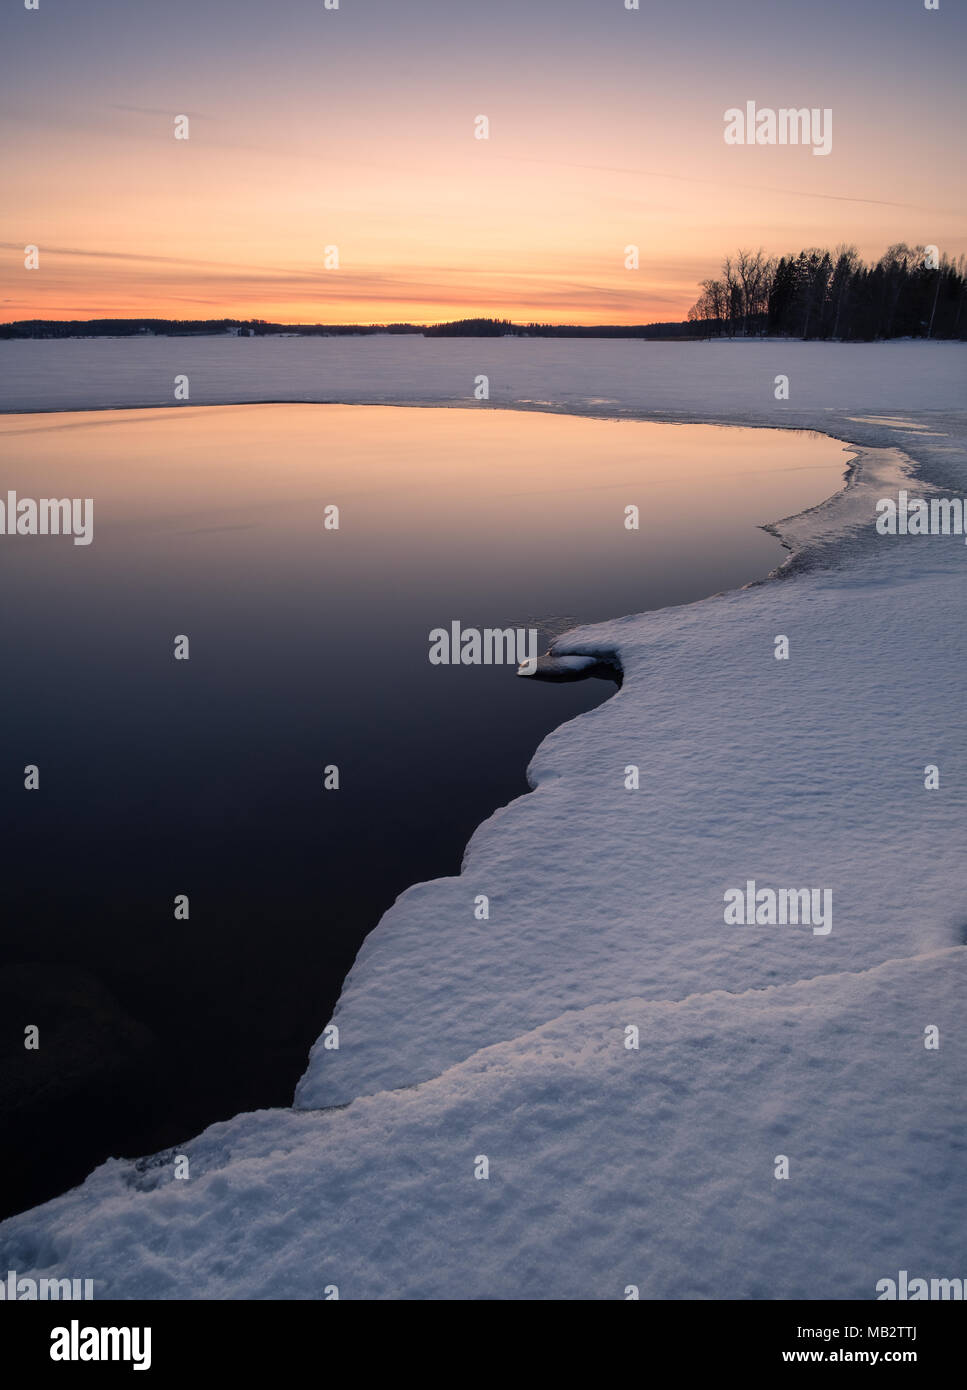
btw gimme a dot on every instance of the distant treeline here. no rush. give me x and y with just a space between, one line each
463 328
909 293
504 328
183 328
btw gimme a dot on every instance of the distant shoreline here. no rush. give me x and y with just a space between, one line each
258 328
91 330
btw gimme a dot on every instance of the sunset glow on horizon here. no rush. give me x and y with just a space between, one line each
355 128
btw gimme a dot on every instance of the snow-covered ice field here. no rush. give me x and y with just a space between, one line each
611 1167
721 379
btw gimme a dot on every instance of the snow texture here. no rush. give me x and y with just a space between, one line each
612 1166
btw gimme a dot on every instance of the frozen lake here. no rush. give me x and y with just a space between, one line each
725 380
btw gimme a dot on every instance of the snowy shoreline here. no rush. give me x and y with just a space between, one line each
612 1167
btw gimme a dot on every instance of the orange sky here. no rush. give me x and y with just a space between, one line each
430 223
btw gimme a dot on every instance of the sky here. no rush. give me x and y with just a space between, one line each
354 128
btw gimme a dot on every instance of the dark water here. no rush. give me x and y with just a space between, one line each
308 647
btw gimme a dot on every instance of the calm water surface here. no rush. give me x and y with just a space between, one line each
308 648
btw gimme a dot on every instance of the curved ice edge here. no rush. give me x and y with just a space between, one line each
580 642
320 1190
292 1146
819 536
824 534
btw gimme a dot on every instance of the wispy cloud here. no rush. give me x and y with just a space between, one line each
168 114
716 183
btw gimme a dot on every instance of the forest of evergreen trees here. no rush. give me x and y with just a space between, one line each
908 293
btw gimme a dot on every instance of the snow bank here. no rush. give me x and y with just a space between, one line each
510 1037
608 1167
806 772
